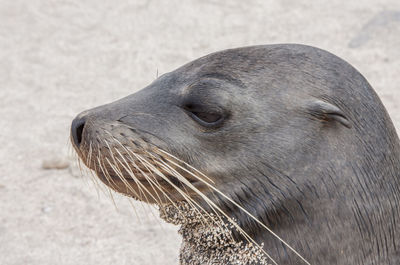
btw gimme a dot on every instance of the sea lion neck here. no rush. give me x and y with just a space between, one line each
208 239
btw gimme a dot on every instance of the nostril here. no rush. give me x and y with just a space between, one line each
79 131
77 127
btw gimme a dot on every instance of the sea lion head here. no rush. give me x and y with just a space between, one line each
280 129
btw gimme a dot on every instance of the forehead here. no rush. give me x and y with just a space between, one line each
219 71
249 70
214 83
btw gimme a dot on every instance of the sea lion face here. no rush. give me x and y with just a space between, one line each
226 115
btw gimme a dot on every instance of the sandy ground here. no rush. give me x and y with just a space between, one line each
61 57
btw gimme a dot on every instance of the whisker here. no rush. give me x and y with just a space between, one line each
75 158
108 178
95 182
89 157
134 209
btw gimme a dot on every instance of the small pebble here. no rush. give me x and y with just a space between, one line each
47 209
57 163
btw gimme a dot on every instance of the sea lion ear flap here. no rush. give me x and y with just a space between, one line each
328 112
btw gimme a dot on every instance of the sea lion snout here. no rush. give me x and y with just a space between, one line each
117 141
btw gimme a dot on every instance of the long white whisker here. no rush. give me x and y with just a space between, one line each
108 178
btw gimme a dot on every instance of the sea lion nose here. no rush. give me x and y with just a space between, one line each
77 126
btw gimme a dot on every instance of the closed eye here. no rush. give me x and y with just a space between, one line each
204 116
207 117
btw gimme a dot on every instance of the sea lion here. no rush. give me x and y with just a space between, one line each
287 143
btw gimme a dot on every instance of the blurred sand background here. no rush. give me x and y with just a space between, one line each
58 58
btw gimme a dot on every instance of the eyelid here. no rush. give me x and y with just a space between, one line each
193 107
204 123
207 117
